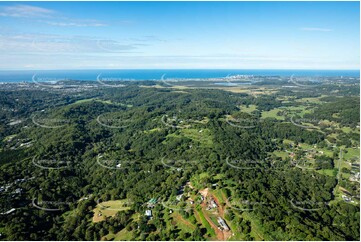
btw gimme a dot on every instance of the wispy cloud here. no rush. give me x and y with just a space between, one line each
317 29
47 16
25 11
59 44
72 23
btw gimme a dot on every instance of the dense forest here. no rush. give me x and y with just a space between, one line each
66 152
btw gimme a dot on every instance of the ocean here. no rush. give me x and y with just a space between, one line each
146 74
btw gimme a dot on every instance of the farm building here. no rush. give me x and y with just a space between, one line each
222 223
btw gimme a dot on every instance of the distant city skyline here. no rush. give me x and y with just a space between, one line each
179 35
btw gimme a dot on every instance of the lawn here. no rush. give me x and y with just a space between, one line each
109 209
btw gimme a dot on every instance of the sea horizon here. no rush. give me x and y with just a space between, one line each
158 74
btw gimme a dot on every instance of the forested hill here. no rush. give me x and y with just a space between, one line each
65 152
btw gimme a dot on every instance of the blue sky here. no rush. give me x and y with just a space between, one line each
179 35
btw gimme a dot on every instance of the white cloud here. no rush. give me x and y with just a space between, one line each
40 44
317 29
75 23
25 11
52 17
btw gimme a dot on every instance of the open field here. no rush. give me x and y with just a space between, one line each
109 209
315 100
248 109
101 101
205 223
202 136
273 114
122 235
182 223
351 153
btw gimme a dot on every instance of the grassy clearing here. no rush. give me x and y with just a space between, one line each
205 223
219 195
305 146
347 130
152 130
327 172
282 154
202 136
351 153
108 209
182 223
101 101
326 152
288 141
300 110
315 100
273 114
212 217
248 109
123 235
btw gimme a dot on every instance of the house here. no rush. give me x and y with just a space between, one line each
148 213
18 190
223 224
213 204
346 198
151 203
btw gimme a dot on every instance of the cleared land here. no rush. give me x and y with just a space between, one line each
109 209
